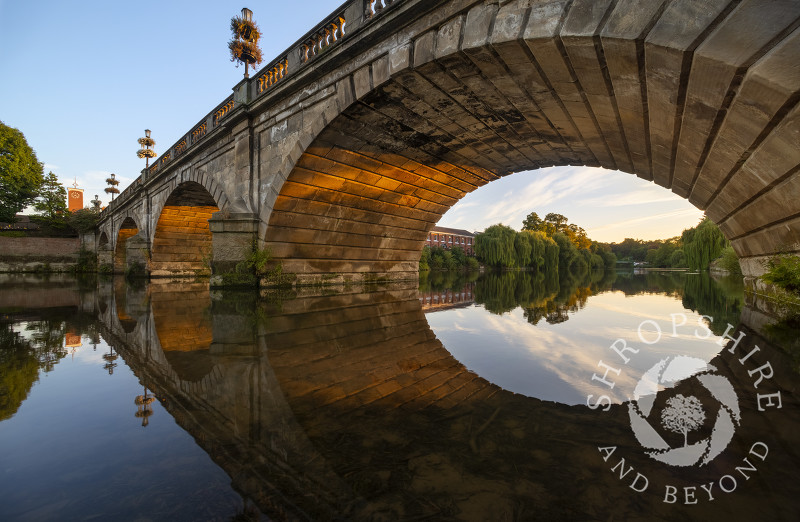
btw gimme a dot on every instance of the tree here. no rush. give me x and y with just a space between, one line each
682 415
20 173
83 220
52 199
532 222
495 246
703 244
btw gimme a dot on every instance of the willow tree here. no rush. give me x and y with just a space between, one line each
703 244
495 246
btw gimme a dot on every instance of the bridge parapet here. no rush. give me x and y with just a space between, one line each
343 22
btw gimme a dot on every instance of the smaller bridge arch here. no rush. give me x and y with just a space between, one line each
182 240
127 229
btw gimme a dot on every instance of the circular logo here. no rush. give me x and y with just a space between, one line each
683 413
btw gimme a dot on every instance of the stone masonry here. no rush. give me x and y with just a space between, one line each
344 152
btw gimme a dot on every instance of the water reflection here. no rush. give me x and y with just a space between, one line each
349 406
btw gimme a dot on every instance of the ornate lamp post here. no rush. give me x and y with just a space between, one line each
244 44
144 408
146 152
112 186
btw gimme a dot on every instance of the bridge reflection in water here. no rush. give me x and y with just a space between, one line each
347 406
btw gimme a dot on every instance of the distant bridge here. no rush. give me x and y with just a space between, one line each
342 153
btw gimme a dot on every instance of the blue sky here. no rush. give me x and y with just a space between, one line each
82 80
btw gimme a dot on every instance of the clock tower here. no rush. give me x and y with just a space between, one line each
74 198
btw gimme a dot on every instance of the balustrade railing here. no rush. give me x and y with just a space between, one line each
222 112
376 7
345 21
329 34
272 74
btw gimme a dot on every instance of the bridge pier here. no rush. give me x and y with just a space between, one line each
137 250
232 238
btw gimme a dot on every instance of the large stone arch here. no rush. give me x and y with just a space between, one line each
700 98
181 237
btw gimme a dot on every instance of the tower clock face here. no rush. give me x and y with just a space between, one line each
75 195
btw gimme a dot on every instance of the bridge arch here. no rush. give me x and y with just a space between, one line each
700 99
127 229
182 238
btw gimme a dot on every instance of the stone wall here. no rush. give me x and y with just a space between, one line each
39 248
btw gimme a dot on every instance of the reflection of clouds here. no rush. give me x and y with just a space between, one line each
556 362
87 354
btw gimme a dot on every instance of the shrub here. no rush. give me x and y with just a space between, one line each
783 271
730 261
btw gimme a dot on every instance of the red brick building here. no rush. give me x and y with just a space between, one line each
452 237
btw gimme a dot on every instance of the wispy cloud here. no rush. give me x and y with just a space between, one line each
644 219
547 188
646 196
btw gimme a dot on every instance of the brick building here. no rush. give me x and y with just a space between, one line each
451 237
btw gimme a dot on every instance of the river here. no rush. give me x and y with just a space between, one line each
512 396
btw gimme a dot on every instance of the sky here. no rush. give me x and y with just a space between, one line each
83 80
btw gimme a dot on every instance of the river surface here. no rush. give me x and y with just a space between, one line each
612 396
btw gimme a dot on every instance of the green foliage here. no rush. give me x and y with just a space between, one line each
730 261
83 220
438 258
553 224
19 369
495 246
703 244
20 173
257 267
52 199
783 271
569 257
678 259
662 256
87 261
22 357
425 259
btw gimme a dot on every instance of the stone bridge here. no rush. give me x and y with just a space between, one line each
341 154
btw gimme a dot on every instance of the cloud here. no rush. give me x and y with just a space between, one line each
644 219
644 196
549 186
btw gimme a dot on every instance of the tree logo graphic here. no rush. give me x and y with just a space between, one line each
683 414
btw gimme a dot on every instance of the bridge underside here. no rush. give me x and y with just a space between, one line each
681 95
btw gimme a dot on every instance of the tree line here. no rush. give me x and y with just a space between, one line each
696 248
552 244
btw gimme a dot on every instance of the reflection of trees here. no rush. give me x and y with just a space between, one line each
435 281
651 282
720 299
541 295
21 359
